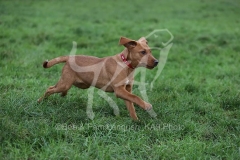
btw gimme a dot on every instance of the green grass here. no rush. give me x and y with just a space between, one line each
196 97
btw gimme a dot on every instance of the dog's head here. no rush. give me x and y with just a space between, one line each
139 52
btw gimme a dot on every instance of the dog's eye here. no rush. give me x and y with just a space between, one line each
143 52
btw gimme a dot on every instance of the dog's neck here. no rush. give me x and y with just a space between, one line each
125 56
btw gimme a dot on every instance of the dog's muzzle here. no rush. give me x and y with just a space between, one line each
155 63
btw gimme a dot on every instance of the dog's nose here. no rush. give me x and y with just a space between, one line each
155 62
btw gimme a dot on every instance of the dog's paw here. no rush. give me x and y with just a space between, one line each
136 120
39 100
134 117
148 106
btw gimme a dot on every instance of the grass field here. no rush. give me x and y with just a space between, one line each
196 97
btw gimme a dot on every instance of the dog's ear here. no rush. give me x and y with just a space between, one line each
128 43
143 39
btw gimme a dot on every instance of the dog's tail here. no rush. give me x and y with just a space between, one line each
48 64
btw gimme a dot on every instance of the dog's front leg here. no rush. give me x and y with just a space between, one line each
130 105
121 92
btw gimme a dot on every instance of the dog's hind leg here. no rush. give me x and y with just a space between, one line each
64 93
63 85
60 87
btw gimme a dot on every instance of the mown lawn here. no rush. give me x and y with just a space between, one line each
196 97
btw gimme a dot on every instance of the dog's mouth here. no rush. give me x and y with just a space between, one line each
149 67
146 65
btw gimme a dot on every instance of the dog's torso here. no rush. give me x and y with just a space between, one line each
103 73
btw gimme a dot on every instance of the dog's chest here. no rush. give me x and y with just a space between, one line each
127 81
